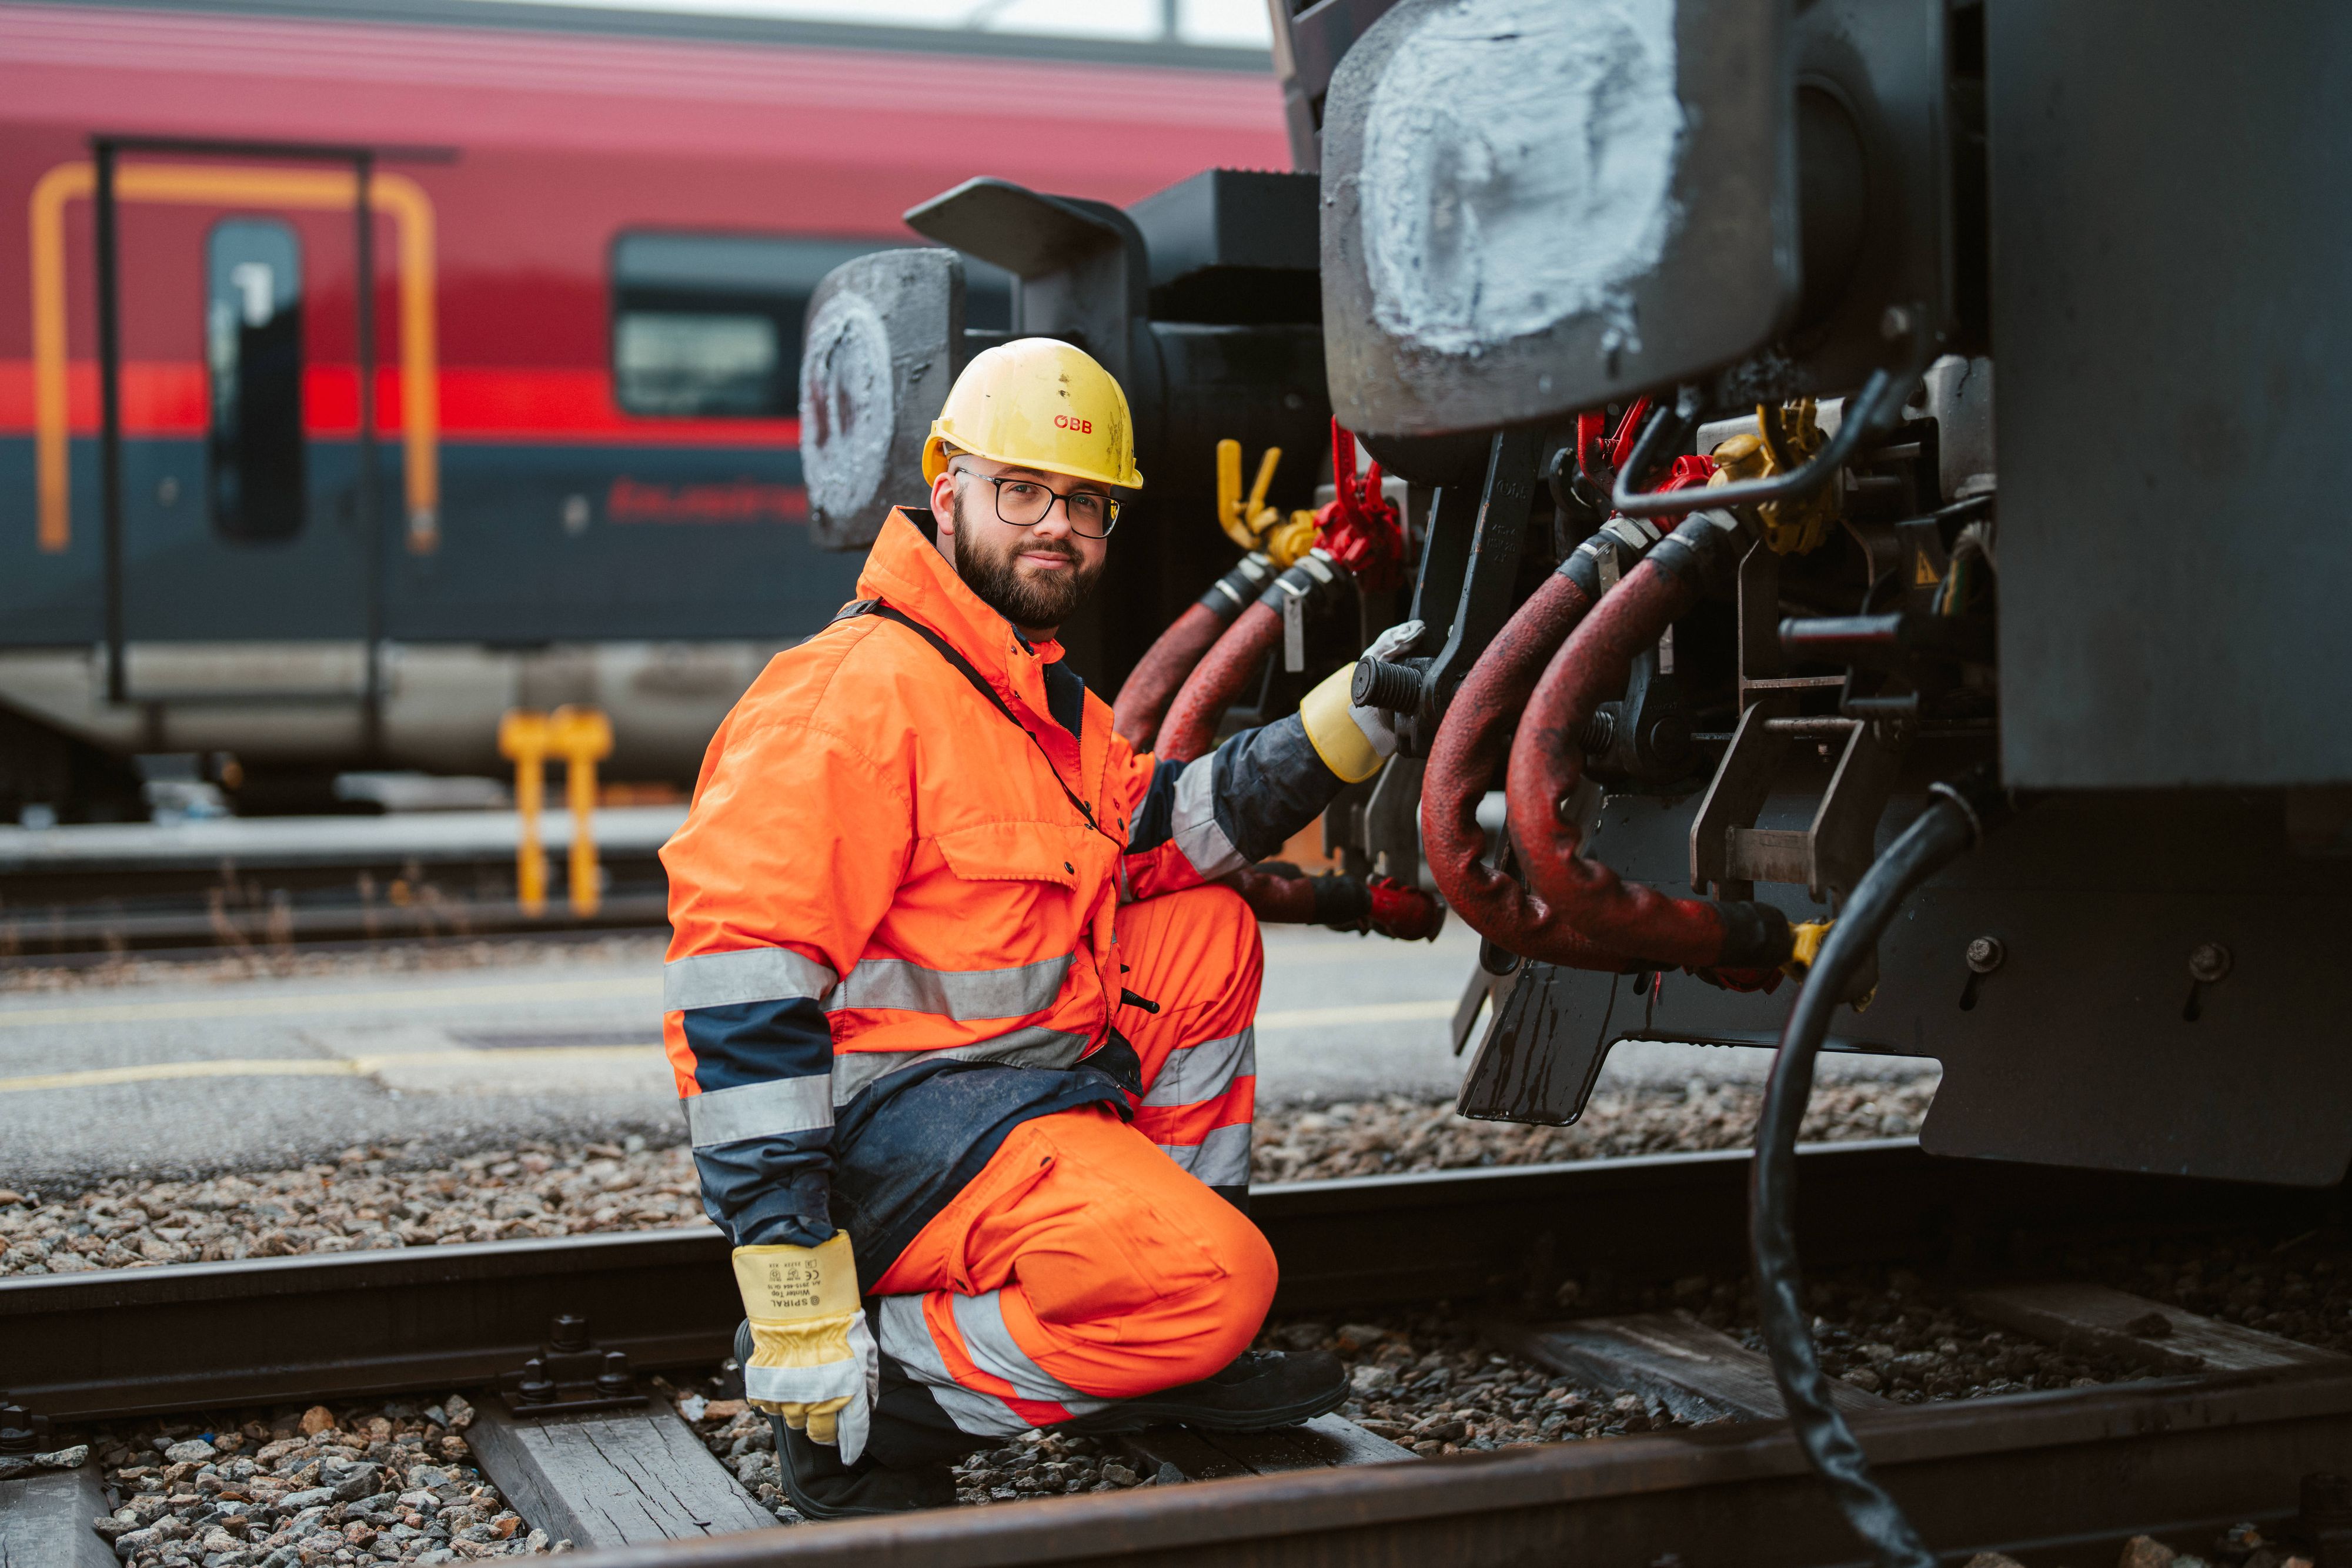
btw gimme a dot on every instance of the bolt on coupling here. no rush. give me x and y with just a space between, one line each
1386 683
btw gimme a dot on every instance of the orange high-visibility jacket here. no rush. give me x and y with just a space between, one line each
891 904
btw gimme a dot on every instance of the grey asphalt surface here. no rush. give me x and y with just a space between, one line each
172 1074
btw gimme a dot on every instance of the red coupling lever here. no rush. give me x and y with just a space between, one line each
1598 453
1360 528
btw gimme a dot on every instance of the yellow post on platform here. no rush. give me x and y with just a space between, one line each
524 737
583 736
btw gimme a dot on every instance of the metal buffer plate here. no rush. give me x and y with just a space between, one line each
1523 217
884 338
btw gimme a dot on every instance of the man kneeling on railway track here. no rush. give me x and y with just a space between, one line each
963 1026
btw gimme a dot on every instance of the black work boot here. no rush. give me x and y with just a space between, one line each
821 1487
910 1450
1261 1389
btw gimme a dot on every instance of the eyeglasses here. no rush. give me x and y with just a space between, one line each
1025 503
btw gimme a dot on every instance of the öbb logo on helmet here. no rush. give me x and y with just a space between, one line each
1038 402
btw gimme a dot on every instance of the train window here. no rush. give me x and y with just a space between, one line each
709 326
253 352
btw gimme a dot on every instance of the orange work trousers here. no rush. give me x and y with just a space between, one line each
1091 1260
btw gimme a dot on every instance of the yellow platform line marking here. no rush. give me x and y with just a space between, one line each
328 1066
337 1002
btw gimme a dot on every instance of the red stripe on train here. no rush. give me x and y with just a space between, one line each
478 403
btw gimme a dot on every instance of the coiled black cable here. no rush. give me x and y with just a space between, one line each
1957 816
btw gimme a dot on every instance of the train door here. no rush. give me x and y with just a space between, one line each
242 496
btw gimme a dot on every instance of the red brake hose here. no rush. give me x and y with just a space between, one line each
1468 750
1190 729
1143 701
1143 698
1546 763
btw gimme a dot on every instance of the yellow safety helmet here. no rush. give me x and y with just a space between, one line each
1038 404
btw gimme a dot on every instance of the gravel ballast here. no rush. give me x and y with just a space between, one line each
346 1484
382 1198
1037 1464
367 1200
1890 1332
1392 1136
394 1483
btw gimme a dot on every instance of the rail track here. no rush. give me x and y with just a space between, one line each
230 883
2039 1477
2030 1473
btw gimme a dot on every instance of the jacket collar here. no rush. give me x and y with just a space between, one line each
906 571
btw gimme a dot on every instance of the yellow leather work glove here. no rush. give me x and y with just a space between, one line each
1354 741
813 1361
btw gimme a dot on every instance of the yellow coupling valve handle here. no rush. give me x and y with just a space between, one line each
1804 946
1784 439
1286 542
1805 941
1246 522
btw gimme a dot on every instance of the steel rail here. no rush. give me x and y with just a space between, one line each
195 928
118 1343
253 884
2079 1467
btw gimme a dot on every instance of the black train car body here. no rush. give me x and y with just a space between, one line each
1531 210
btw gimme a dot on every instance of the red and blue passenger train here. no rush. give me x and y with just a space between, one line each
592 236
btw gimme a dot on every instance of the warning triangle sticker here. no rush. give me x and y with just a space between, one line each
1923 571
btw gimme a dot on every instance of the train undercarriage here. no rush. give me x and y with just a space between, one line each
2133 976
1768 680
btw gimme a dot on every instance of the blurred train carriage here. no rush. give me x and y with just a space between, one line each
592 236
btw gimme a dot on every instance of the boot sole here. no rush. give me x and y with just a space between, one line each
1135 1415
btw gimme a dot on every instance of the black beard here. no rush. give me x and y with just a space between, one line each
1041 603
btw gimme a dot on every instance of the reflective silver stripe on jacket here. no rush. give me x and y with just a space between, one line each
778 974
959 994
980 1320
1036 1046
1220 1159
759 1110
746 975
1196 1073
906 1339
1193 825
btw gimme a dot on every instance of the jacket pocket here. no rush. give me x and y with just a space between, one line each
1015 852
